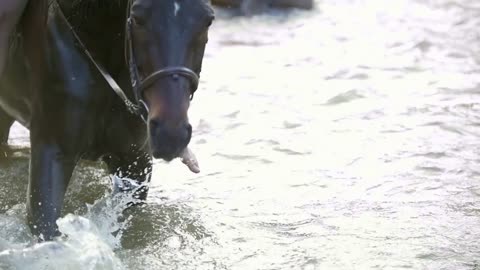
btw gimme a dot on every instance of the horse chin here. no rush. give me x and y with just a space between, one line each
166 156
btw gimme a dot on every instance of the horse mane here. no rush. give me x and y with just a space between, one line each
87 7
81 12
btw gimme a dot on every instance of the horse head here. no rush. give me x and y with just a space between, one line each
167 41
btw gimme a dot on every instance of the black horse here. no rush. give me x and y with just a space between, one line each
152 49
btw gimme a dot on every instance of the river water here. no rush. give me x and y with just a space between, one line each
343 138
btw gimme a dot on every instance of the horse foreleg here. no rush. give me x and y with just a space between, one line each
55 150
50 172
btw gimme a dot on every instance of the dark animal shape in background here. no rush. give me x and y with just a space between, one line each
251 7
75 114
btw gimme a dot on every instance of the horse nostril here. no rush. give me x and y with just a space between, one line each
181 134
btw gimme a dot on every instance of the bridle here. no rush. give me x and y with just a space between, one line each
138 84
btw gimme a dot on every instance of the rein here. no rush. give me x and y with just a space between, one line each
139 108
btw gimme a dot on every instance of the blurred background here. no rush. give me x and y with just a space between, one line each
343 137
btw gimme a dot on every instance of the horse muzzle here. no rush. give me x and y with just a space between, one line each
168 142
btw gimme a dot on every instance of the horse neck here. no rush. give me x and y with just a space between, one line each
101 26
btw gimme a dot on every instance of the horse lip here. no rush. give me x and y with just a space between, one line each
166 157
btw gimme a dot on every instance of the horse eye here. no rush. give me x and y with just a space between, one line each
210 21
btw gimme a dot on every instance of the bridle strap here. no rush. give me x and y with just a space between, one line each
174 72
140 85
135 109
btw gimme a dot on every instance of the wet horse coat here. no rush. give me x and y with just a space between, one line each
72 112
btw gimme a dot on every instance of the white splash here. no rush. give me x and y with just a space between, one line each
84 248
